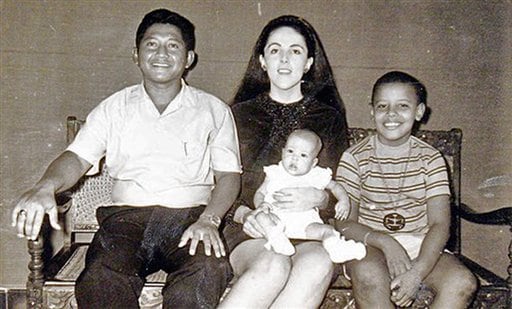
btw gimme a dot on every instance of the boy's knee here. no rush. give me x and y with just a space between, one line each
464 283
368 274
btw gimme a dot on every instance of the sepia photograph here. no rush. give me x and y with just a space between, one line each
256 154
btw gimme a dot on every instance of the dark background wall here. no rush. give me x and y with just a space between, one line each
60 58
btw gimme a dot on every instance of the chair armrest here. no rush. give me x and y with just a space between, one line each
63 201
502 216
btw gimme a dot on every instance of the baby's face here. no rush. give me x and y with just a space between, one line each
298 156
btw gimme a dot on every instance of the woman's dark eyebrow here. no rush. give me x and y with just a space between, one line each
273 43
293 45
298 45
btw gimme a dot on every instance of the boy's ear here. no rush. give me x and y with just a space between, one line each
135 55
191 56
420 111
315 162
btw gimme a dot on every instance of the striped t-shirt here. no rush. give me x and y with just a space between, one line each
391 185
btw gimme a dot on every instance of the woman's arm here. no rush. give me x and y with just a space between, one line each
300 199
259 196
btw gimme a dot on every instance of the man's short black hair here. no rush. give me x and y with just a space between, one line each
164 16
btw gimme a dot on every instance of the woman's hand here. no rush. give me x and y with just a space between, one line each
405 287
396 257
205 231
300 199
254 221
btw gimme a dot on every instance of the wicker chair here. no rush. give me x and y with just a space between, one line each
51 280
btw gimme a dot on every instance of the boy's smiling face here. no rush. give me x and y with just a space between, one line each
162 55
395 108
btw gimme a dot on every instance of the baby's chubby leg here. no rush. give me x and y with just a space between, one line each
340 250
274 233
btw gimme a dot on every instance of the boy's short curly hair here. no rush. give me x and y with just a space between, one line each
164 16
402 78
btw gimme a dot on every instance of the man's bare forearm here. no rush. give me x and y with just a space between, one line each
63 172
227 186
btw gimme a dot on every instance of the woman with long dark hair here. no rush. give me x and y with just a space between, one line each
288 85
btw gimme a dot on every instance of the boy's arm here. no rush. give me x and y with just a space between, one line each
438 212
396 258
405 286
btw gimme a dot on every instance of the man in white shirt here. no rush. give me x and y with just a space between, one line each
172 151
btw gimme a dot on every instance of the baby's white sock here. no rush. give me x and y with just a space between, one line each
341 250
279 242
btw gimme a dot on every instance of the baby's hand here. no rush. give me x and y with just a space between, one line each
342 210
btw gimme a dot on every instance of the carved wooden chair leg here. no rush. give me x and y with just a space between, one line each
36 276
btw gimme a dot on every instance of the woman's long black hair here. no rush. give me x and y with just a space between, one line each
318 81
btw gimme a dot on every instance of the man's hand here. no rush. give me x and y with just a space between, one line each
28 214
300 199
205 231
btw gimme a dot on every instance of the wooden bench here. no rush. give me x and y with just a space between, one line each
51 279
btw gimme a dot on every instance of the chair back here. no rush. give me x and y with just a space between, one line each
94 191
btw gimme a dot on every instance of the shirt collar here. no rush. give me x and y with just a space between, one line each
175 104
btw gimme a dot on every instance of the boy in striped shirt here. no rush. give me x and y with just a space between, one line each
400 199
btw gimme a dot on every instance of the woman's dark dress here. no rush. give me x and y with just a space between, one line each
263 127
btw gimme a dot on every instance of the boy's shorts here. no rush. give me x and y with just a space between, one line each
410 242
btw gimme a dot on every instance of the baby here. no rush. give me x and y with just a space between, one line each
298 168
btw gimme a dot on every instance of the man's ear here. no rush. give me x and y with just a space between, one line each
263 63
135 55
420 111
191 56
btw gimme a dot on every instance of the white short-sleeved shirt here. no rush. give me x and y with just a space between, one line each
163 159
